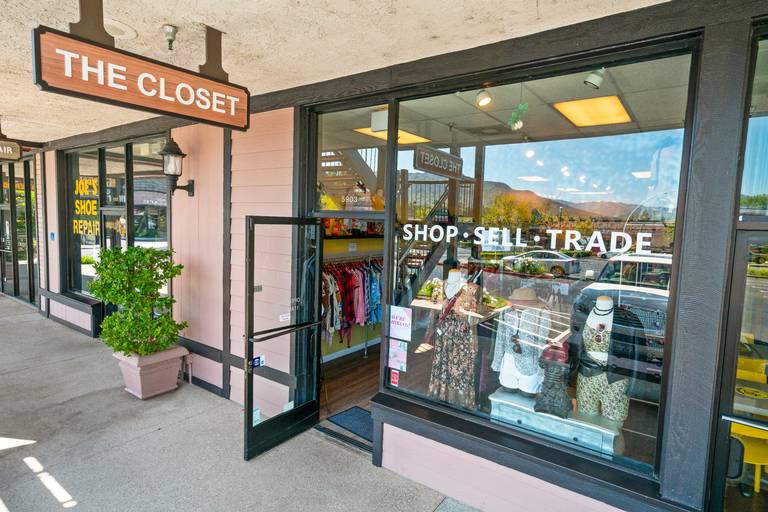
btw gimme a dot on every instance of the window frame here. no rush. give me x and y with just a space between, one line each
644 482
65 198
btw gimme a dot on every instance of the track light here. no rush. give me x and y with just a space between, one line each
595 78
483 98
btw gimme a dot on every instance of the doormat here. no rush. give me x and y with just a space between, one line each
357 420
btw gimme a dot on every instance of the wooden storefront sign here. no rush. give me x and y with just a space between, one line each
9 150
438 162
73 66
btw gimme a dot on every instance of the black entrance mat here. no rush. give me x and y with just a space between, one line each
357 420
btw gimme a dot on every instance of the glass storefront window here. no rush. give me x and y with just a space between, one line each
534 257
95 225
754 183
84 225
150 196
351 159
114 190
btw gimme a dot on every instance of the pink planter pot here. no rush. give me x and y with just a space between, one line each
152 375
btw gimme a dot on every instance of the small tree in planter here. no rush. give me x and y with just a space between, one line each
142 331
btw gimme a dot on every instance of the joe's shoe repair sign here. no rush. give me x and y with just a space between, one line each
69 65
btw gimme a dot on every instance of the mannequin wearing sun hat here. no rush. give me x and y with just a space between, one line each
522 335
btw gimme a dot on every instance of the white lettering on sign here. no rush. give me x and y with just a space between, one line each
620 242
64 64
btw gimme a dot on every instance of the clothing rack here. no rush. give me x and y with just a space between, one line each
363 256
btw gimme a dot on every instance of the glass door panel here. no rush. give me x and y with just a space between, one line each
743 436
8 284
22 240
282 328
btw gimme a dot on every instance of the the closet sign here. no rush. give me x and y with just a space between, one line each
568 239
72 66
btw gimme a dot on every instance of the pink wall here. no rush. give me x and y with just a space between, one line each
476 481
71 315
53 222
197 235
42 238
262 181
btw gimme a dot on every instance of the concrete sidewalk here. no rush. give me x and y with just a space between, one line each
98 448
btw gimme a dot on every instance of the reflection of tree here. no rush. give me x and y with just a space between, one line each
585 226
757 202
507 210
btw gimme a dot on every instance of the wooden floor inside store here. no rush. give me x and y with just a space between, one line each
349 381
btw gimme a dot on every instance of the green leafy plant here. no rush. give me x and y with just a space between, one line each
87 260
132 279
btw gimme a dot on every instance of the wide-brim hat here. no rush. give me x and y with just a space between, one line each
525 297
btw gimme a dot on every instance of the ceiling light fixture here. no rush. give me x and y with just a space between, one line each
403 137
594 111
642 175
169 32
595 78
483 98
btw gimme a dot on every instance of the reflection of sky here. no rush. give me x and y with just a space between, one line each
755 180
587 169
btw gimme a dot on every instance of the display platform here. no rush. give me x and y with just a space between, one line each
587 430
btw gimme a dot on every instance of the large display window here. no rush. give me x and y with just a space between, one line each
105 185
535 252
351 159
754 182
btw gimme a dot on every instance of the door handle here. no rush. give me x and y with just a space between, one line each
280 331
744 421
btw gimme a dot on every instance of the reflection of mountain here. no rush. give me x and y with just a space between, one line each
544 206
551 207
607 209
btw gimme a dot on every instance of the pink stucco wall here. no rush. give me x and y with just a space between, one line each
197 234
476 481
262 181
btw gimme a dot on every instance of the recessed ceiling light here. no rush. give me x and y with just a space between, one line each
403 137
530 153
594 111
119 30
540 163
582 179
642 175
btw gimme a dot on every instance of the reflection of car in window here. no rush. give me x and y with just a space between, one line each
555 263
639 287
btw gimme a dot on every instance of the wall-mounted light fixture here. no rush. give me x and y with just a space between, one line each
172 166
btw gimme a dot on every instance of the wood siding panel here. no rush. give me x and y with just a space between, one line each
198 236
262 184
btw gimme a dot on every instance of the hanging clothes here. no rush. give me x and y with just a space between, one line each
351 296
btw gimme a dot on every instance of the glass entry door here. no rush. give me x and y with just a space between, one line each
18 245
282 326
741 463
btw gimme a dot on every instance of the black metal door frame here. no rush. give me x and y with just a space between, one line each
273 431
720 464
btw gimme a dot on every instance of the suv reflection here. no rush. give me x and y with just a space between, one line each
639 287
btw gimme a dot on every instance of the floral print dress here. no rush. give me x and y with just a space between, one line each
452 378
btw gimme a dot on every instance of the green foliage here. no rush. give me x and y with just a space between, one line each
755 271
757 202
506 211
576 254
528 266
87 260
131 279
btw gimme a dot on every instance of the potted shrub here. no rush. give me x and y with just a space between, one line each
141 330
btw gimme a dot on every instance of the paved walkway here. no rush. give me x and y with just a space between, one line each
92 446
